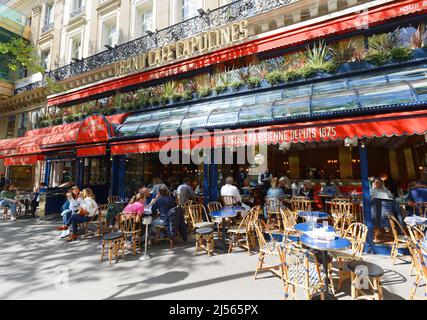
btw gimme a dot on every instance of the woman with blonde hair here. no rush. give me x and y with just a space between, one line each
86 213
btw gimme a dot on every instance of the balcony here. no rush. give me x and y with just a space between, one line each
47 28
14 22
76 12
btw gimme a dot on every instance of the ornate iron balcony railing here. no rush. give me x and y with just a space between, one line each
47 27
208 20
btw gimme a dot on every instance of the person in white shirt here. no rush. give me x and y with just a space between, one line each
229 189
87 211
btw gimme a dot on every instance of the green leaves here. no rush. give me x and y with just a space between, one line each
21 55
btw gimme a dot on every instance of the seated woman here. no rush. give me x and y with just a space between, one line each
274 194
136 205
70 207
7 200
86 212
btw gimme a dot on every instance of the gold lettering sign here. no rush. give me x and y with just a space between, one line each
186 48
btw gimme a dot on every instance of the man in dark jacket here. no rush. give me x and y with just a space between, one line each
164 203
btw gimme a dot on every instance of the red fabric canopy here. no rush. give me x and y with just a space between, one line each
93 129
22 161
92 151
394 124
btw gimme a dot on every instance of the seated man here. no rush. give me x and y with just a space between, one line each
164 203
185 191
7 200
229 189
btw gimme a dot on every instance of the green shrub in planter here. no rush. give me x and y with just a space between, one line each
378 58
57 121
308 71
400 53
176 97
187 95
254 82
164 99
220 88
329 67
291 75
154 101
204 92
236 85
275 77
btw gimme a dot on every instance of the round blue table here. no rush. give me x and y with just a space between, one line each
318 214
224 213
325 246
305 227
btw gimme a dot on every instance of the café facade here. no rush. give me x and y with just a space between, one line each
346 125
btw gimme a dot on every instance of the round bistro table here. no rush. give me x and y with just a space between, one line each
223 214
324 246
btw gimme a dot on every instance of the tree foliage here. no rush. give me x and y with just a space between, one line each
21 55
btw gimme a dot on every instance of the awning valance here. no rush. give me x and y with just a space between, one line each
92 150
22 160
393 124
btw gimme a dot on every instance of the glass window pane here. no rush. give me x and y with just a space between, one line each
138 118
217 118
194 122
179 112
420 88
243 100
291 107
324 87
256 112
161 114
410 74
363 81
170 124
129 129
217 105
391 94
148 127
199 108
336 101
297 91
269 96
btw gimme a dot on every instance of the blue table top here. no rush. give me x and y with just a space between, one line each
337 244
227 212
304 227
318 214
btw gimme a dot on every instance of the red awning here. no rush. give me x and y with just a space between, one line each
93 129
22 161
279 39
92 151
393 124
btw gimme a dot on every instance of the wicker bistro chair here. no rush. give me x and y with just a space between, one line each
130 226
300 204
273 206
199 217
399 240
266 249
5 212
289 222
420 265
420 209
186 210
229 200
343 214
214 206
242 235
205 240
98 221
299 269
415 233
356 233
